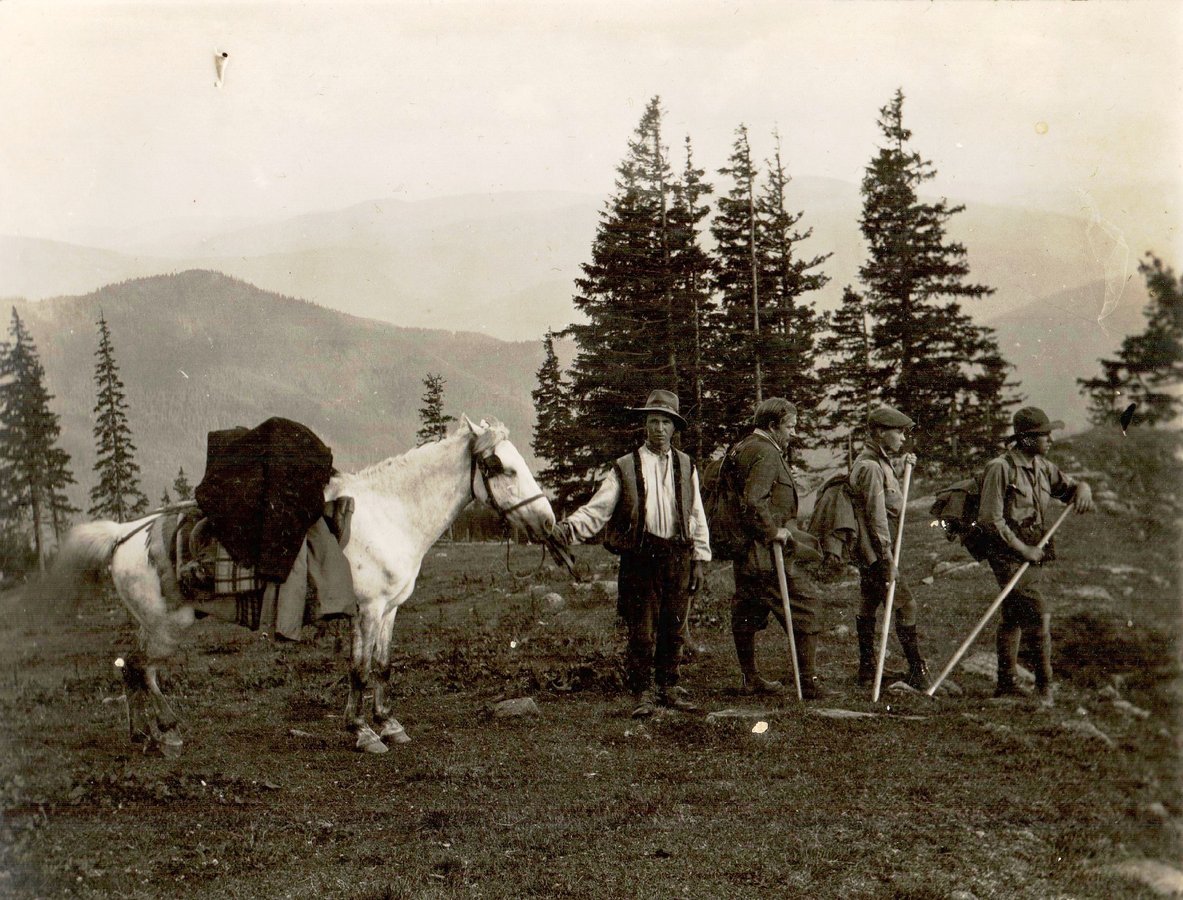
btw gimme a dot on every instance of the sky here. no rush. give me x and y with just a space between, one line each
113 115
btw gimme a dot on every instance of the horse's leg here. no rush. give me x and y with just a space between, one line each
387 725
360 665
135 686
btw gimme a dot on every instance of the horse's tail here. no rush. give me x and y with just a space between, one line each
79 568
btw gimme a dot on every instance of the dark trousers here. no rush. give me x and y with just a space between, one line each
1024 605
873 584
654 598
758 595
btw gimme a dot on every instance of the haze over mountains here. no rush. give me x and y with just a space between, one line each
500 268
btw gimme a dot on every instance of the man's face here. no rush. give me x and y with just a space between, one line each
892 439
783 432
659 431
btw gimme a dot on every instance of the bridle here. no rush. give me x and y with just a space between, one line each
489 465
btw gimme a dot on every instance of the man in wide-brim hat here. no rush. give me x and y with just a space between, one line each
650 505
1016 489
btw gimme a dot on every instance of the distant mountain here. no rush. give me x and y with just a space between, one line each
1054 340
505 264
200 351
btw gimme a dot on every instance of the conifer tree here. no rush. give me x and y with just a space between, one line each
34 471
787 275
181 486
737 279
117 495
629 295
554 430
929 347
434 423
165 499
850 378
1148 370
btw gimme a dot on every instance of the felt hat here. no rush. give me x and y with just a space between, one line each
888 417
664 402
1033 420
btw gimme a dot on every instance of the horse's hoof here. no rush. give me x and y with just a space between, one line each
395 732
369 742
171 744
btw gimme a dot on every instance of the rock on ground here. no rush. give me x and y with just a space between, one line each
1167 881
984 663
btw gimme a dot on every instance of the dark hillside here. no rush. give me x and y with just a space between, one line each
199 351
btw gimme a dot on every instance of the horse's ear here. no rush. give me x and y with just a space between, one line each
468 423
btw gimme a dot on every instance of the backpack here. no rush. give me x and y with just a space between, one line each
721 504
956 508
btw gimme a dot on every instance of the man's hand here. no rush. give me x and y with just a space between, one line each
697 576
1031 554
783 536
909 459
1082 500
561 534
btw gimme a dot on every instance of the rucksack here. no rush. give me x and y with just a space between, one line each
956 508
721 503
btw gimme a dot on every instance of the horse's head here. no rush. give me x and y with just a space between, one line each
501 478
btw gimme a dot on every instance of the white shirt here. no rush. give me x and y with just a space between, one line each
661 510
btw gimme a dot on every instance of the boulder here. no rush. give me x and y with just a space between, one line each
517 706
1164 880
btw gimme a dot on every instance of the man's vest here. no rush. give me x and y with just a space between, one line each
627 526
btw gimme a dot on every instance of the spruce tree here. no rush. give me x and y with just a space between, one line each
928 345
630 343
737 279
34 471
554 431
1148 370
434 423
165 500
181 486
787 275
117 495
850 379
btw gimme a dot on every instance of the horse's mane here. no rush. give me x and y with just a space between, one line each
494 433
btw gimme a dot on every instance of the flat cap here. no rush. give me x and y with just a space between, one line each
888 417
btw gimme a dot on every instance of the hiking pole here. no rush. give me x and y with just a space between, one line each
778 557
895 565
1010 585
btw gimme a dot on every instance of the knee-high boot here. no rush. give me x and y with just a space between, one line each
811 686
917 675
865 626
1043 661
1008 661
745 652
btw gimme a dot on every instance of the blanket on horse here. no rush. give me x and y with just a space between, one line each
196 568
263 490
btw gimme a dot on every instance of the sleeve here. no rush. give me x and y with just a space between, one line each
1063 487
755 499
587 521
867 481
992 504
699 531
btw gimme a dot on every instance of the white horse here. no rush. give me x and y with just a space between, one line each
402 506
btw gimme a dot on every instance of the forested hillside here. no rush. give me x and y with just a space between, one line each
199 351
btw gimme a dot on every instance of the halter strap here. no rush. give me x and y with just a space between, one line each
502 511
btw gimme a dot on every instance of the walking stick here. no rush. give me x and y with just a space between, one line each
993 608
895 565
778 557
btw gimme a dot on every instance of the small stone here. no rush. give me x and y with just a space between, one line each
723 716
927 579
554 600
1130 710
1091 592
1155 812
1089 730
962 895
840 631
518 706
1109 692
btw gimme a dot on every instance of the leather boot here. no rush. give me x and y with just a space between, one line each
917 676
811 686
745 652
865 626
1008 661
1043 661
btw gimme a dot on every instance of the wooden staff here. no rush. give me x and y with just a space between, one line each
778 557
895 566
993 607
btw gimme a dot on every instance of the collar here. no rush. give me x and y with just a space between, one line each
878 450
1021 459
649 451
760 432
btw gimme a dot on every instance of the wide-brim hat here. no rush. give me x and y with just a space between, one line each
1032 420
664 402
